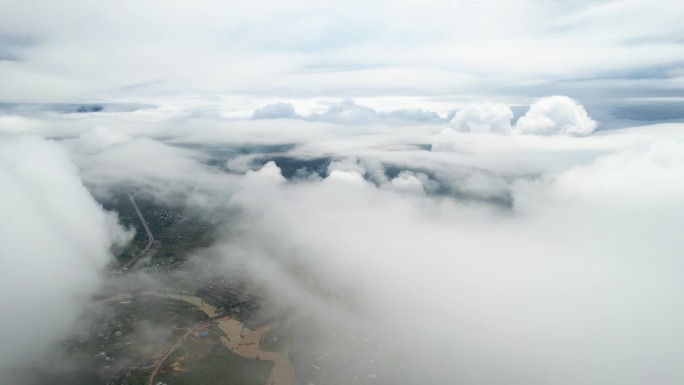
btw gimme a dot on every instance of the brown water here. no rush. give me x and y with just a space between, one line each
240 339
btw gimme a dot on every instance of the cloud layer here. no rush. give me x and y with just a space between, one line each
514 49
577 284
347 111
416 251
551 115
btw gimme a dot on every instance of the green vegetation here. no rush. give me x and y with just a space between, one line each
175 230
137 379
275 340
162 311
218 366
124 338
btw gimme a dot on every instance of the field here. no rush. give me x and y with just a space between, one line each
206 361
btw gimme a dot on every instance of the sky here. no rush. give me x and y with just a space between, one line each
437 54
476 192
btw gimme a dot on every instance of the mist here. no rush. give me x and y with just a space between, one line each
57 241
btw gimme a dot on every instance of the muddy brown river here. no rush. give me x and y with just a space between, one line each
239 339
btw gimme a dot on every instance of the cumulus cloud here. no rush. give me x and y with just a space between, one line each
551 115
275 111
59 245
483 117
556 115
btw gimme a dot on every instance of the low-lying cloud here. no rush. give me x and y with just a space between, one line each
57 242
576 284
420 253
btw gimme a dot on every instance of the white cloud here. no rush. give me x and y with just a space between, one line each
483 117
98 139
56 243
571 280
556 115
19 124
549 116
407 182
241 163
507 251
549 257
346 165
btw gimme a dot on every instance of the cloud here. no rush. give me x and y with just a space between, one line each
552 258
99 139
556 115
241 163
347 111
551 115
418 115
408 182
579 277
19 124
430 50
59 245
483 117
275 111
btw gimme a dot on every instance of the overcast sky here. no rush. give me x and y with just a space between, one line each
436 53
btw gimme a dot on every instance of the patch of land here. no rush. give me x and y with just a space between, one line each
238 338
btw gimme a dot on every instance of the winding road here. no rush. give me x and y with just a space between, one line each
150 237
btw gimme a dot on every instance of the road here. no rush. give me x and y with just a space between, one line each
238 338
150 237
178 344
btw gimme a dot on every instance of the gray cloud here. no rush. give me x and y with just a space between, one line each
347 111
275 111
12 47
430 50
